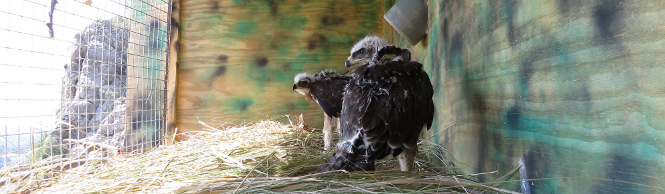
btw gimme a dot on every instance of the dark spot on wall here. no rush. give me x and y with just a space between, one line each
571 7
475 99
526 69
586 97
444 28
241 3
286 66
456 43
424 41
443 5
526 72
332 20
622 168
174 6
198 102
174 23
439 41
511 11
274 45
317 41
563 6
177 46
243 104
221 70
261 61
223 59
215 6
538 162
608 17
436 72
273 7
455 51
513 117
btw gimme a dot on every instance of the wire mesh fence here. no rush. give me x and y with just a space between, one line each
81 79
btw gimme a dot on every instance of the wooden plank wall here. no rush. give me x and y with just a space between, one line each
238 58
571 89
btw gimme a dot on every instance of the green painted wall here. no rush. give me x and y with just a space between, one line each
237 59
570 88
574 89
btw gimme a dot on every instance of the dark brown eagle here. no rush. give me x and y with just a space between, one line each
386 104
326 89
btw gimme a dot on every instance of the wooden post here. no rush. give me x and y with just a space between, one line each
133 61
172 74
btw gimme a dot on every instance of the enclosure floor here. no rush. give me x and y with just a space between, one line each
264 156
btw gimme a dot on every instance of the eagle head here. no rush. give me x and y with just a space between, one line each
364 50
302 84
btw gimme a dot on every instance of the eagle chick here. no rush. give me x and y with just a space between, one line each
326 89
363 52
385 106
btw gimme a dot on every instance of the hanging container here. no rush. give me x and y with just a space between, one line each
409 18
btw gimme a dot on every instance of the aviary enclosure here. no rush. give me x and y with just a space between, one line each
542 96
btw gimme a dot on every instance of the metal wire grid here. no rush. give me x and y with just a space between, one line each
30 128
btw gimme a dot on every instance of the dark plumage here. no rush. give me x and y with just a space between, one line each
386 104
391 53
326 89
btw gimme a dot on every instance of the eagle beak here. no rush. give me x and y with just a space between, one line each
348 62
294 87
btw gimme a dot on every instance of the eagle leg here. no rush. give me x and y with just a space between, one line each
339 127
327 131
406 158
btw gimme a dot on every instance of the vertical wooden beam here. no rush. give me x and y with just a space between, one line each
133 62
172 74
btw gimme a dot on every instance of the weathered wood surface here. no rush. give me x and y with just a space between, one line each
172 73
574 89
238 58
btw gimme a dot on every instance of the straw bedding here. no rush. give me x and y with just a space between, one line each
264 157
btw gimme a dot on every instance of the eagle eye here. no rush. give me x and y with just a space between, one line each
303 83
359 52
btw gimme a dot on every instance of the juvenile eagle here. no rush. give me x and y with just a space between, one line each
326 89
386 104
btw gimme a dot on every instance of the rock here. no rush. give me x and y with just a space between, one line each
98 53
94 86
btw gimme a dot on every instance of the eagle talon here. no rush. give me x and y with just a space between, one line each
385 91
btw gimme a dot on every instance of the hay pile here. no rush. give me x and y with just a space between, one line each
266 156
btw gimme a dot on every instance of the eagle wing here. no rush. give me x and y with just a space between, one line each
391 53
388 104
329 91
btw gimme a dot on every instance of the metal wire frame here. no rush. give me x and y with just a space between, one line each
148 105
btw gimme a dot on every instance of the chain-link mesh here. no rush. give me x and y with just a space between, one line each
81 78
